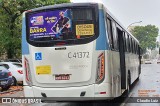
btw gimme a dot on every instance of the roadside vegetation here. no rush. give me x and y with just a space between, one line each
11 23
147 36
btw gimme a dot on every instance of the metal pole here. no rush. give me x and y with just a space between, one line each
133 23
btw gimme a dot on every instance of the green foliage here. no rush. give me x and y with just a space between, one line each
146 36
10 23
61 1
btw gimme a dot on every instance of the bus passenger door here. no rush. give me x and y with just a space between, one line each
122 58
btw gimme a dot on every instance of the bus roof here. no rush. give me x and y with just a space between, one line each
63 5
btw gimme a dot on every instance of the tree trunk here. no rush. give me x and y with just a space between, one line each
10 53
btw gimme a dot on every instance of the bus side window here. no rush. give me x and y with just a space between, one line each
126 38
132 45
135 50
129 44
110 34
115 38
130 40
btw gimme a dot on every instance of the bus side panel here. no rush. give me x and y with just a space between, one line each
132 64
102 42
114 62
111 85
135 68
25 46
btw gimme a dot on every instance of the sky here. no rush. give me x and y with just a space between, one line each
130 11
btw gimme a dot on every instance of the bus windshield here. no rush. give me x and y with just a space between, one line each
61 25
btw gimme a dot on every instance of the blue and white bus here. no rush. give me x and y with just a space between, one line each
77 50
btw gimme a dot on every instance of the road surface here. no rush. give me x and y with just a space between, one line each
148 85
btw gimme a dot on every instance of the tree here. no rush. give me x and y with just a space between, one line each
146 36
10 23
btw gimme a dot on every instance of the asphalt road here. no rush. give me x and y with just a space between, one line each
147 86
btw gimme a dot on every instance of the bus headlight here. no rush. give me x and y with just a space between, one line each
100 68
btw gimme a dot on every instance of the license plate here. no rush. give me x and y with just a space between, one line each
3 82
62 77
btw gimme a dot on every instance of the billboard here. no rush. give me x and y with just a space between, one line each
48 23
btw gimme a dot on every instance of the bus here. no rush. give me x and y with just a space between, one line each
77 50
